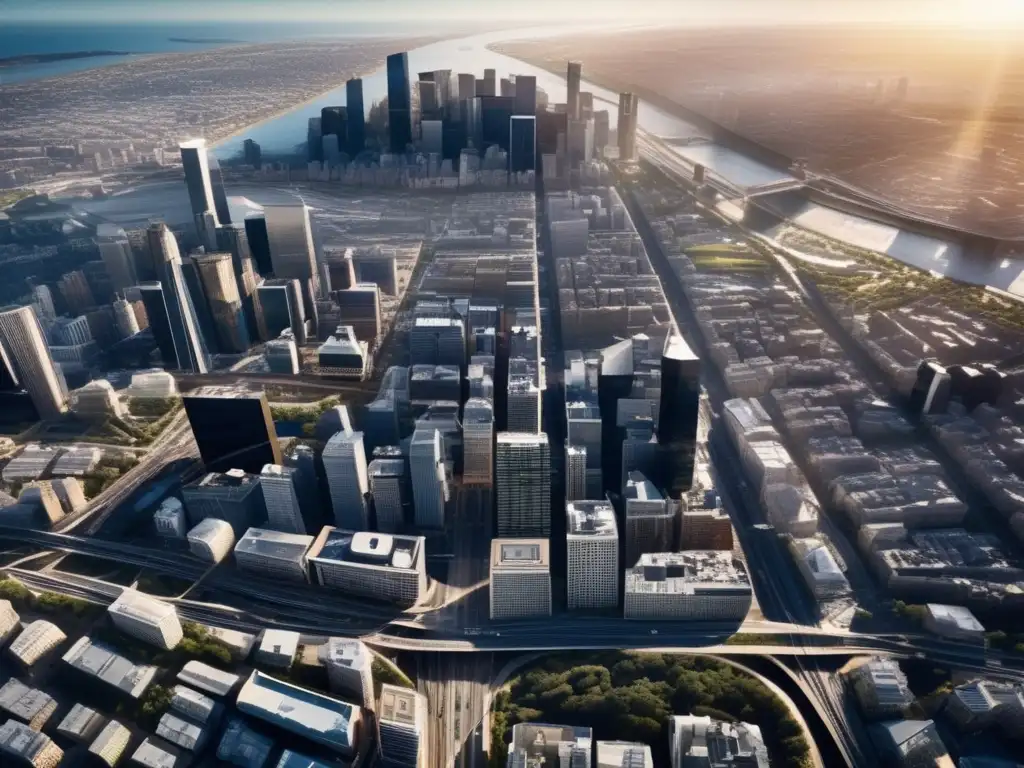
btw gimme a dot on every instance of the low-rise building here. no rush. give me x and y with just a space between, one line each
211 540
194 705
111 743
71 494
33 462
170 519
76 461
953 621
520 578
206 678
382 566
701 741
881 688
25 746
182 732
10 622
30 705
624 754
702 585
540 744
818 566
81 724
909 743
98 661
274 554
331 723
242 746
36 640
154 753
278 648
146 618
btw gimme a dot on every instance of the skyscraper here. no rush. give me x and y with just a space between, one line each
678 415
523 139
23 340
196 164
574 72
495 120
280 495
401 727
235 240
629 103
399 102
650 520
290 237
220 197
575 472
152 293
221 288
429 481
526 95
345 466
259 244
233 431
478 442
124 316
189 345
116 252
389 487
281 304
592 542
523 480
74 288
42 299
356 116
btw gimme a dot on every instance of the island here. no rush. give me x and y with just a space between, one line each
42 58
204 40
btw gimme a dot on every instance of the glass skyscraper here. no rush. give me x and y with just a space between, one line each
399 102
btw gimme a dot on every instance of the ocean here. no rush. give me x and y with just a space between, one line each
21 39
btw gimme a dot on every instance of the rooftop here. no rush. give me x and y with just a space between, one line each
956 615
98 660
398 705
141 607
261 542
591 518
381 550
682 572
518 554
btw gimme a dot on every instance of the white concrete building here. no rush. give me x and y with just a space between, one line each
70 493
953 621
153 384
146 618
211 540
76 461
382 566
592 542
345 465
881 688
170 519
520 578
111 743
624 754
819 568
697 585
281 498
523 484
402 727
349 669
278 648
97 399
10 622
206 678
696 740
281 555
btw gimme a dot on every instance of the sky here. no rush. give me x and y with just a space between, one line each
975 13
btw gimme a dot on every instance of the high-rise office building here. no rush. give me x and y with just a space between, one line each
218 277
520 578
252 153
345 466
467 86
523 480
196 164
629 104
389 487
189 345
382 566
76 292
523 404
495 121
614 383
281 305
259 244
429 478
23 341
233 497
402 727
526 95
650 520
118 259
523 140
359 306
334 122
152 293
356 116
349 669
42 300
314 143
399 102
575 472
220 196
478 442
281 498
574 73
234 239
233 431
197 292
437 341
592 543
678 414
290 236
705 529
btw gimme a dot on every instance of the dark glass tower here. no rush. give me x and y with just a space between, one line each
259 244
495 117
526 95
233 432
523 154
220 197
399 102
189 344
356 116
574 73
614 383
159 323
678 415
281 304
334 122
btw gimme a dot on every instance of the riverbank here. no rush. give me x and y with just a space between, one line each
46 58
